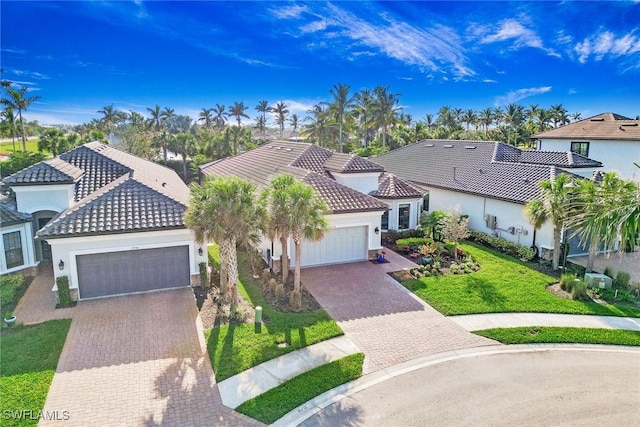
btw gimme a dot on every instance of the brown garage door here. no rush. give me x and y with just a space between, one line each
116 273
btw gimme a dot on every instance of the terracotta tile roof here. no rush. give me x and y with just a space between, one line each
563 159
603 126
468 167
391 186
304 161
53 171
124 205
9 215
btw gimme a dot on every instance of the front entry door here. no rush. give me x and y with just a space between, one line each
45 248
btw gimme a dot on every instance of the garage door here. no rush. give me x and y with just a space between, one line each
116 273
339 245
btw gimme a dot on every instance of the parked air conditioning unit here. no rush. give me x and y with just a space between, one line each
492 222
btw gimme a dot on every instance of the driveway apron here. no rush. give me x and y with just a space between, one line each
386 321
138 360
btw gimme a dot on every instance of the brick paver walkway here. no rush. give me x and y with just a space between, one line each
380 316
131 360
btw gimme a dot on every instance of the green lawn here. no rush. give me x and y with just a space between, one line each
277 402
540 334
7 147
503 284
235 348
28 360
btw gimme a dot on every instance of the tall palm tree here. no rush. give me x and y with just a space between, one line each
363 103
9 117
485 117
281 113
277 220
184 144
428 120
447 118
385 110
342 103
558 114
576 117
19 101
513 115
226 210
319 121
552 205
469 117
52 140
294 120
238 111
207 117
306 220
543 117
156 118
596 206
263 108
220 115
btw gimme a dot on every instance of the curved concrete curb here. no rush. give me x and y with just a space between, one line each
308 409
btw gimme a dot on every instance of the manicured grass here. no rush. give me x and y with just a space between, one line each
277 402
540 334
7 147
235 348
503 284
28 359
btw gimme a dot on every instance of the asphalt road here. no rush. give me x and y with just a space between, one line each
579 388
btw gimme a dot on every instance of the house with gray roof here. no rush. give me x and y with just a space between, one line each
110 221
609 138
489 181
357 191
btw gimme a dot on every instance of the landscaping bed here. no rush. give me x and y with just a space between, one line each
235 347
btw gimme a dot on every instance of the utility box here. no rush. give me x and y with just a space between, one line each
596 280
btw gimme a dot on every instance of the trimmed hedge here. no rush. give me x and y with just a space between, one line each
414 241
64 294
500 244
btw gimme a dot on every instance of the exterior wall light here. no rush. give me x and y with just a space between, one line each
377 230
61 265
200 252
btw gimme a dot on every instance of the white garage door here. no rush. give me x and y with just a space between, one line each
339 245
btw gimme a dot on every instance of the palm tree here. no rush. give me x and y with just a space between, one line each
469 117
319 118
263 108
281 115
428 120
220 115
306 220
238 111
513 116
385 110
206 116
9 117
278 224
558 115
342 102
363 103
543 117
19 102
595 207
576 117
447 118
52 140
184 144
552 205
486 119
156 118
225 210
294 120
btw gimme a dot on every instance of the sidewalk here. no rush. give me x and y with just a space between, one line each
476 322
255 381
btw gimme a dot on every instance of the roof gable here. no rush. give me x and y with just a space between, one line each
565 159
52 171
391 186
10 215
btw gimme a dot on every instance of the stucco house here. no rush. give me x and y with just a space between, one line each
489 181
110 221
609 138
358 192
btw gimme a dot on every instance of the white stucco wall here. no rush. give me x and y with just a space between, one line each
363 182
615 155
36 198
507 214
369 219
66 249
415 208
26 238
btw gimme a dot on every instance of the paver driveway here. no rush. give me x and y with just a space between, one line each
134 360
386 321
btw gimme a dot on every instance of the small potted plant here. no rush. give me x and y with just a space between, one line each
381 255
9 318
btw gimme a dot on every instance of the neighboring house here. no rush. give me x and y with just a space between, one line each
110 221
16 244
489 181
347 183
609 138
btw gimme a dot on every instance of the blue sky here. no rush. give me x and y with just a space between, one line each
81 56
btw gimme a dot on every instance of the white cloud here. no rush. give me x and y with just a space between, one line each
489 81
289 12
605 43
517 95
510 30
435 48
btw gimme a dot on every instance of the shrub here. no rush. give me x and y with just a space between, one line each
204 274
9 288
608 271
515 250
295 300
279 291
414 241
566 282
622 280
525 253
272 284
579 291
64 294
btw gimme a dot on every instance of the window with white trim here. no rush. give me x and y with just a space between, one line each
13 249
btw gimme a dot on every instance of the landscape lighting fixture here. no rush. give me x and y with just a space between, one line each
61 265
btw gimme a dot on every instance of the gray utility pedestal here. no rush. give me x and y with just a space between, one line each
596 280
